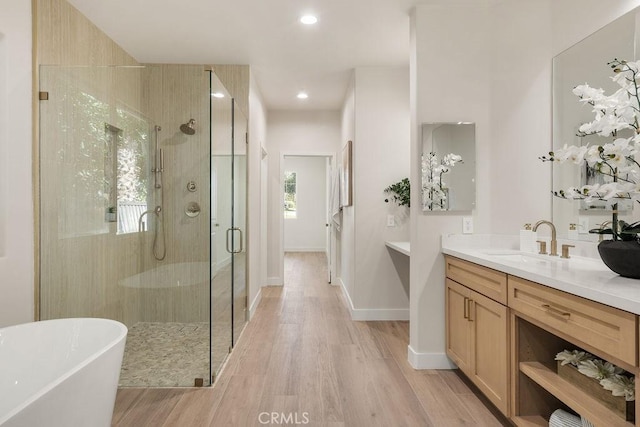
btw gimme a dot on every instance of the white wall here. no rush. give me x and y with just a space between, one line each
293 133
257 203
573 20
257 231
508 97
380 158
345 248
16 218
307 231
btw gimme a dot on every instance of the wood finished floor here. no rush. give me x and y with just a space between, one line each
302 355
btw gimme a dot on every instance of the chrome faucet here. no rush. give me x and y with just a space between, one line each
554 242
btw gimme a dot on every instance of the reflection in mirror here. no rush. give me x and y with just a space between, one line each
586 62
448 166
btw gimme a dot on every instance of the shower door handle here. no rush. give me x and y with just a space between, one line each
229 230
241 239
229 233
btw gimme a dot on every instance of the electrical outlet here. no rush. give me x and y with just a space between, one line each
583 225
467 224
391 221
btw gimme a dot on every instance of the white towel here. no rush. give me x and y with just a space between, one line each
561 418
336 210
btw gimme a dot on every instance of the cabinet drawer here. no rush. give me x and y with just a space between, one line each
483 280
604 328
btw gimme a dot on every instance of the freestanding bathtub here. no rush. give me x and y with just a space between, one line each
60 372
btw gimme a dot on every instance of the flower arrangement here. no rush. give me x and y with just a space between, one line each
611 377
613 161
400 193
434 191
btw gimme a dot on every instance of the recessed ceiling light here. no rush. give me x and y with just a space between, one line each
217 95
302 95
308 19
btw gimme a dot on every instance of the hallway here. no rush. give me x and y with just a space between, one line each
301 360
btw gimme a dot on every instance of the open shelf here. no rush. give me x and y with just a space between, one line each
530 421
585 405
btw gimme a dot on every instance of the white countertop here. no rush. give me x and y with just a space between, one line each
585 277
402 247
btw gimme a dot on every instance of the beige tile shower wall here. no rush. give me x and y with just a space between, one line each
175 94
66 37
80 274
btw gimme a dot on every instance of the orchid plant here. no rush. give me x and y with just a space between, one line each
434 190
614 161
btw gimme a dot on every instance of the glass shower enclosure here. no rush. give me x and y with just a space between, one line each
126 214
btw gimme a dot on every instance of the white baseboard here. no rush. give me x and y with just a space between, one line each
255 303
373 314
306 250
274 281
429 360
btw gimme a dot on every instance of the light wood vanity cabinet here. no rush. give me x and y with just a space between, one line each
546 321
477 328
508 348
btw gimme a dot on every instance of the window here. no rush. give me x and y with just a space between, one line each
290 205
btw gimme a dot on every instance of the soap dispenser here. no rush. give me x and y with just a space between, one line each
527 239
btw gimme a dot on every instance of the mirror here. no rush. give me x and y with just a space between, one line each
586 62
448 166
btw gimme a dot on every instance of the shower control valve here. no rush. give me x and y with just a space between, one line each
192 210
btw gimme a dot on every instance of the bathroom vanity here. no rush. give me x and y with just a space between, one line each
509 313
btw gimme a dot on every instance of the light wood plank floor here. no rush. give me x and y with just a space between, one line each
302 357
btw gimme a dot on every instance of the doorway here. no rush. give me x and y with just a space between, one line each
306 187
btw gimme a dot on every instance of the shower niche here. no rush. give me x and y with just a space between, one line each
118 146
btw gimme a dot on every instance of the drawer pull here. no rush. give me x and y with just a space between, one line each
466 308
469 304
556 312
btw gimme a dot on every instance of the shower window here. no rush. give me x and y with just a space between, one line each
132 170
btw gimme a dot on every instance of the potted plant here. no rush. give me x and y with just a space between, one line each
613 160
400 193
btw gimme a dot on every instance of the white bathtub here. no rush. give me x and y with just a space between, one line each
169 276
60 372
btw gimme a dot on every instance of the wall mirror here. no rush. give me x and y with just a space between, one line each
448 166
586 62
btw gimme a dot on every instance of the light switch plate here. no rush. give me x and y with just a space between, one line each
391 221
467 225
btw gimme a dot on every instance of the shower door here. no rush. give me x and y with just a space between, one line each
119 233
228 222
221 222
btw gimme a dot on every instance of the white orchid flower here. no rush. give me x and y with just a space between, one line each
596 368
572 357
451 159
572 153
620 385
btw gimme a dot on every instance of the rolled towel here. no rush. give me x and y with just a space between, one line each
586 423
561 418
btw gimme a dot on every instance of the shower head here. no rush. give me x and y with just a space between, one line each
189 127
